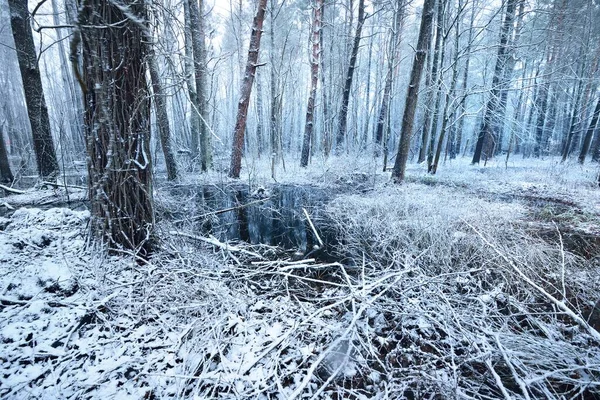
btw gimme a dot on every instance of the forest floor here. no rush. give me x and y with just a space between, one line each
479 282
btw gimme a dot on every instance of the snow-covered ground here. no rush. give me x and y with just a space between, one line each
479 282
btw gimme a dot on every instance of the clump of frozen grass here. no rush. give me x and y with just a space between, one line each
486 310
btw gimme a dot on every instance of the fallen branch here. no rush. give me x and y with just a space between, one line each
218 212
560 304
11 190
312 227
215 242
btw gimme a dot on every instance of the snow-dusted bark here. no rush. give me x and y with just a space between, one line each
242 114
43 145
314 80
6 175
412 94
162 118
487 138
343 117
117 122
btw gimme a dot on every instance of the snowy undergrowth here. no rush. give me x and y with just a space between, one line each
487 310
442 292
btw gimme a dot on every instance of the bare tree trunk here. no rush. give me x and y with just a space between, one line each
43 145
189 71
449 97
242 114
487 138
343 117
326 135
117 122
590 132
74 101
6 175
162 117
260 122
465 79
314 81
395 38
412 94
199 49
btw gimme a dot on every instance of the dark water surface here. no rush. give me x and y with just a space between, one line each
277 220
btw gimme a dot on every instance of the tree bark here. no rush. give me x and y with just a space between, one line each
343 118
487 138
117 122
314 81
412 95
6 175
199 50
449 97
43 145
395 38
590 133
162 117
189 70
242 114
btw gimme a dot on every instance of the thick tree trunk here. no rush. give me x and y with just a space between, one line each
6 175
412 95
395 37
343 117
590 133
314 80
242 114
43 145
487 139
162 117
117 122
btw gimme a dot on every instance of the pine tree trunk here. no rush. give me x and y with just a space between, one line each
117 123
412 95
314 80
242 114
343 117
43 145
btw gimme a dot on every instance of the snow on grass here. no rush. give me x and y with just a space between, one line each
428 299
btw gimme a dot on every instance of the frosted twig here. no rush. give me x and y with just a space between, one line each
560 304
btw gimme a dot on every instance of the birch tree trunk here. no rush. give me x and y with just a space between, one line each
199 50
314 81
